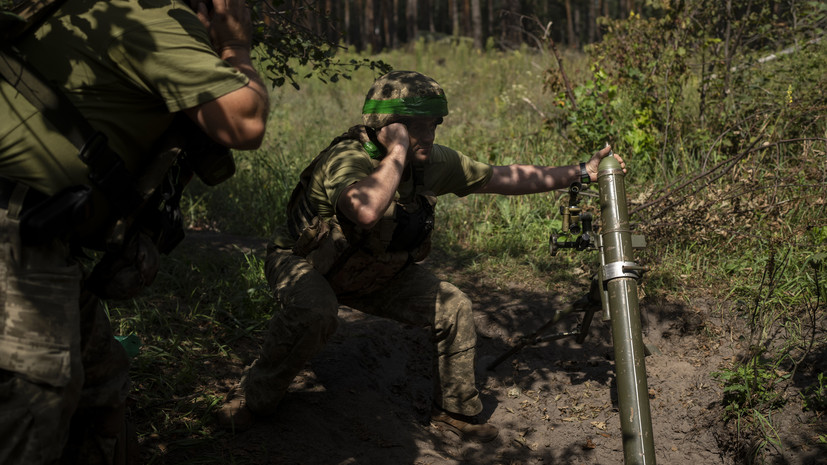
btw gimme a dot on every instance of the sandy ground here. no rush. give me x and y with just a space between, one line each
366 398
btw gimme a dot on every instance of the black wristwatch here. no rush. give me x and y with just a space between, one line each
584 175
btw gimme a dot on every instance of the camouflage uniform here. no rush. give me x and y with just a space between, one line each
307 318
129 67
322 263
47 369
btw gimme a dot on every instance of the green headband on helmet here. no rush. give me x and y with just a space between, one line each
430 105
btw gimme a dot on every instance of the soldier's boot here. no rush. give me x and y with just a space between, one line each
101 436
126 448
235 415
467 428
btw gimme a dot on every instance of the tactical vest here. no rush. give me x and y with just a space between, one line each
355 261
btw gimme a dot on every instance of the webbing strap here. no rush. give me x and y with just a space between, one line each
18 195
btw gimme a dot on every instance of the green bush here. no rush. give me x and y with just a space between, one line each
750 386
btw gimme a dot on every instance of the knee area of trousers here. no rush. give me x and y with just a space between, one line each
454 302
323 324
329 323
454 314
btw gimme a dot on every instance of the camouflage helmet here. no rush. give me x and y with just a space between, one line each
402 93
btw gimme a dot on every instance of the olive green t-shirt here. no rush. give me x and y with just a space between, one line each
128 66
446 172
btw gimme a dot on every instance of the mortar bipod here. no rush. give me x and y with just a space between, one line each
574 222
587 304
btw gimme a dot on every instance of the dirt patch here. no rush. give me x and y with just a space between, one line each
366 398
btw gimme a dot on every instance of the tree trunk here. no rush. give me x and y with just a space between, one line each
630 7
370 26
346 14
592 20
330 21
577 26
465 17
316 20
431 11
491 17
395 24
476 20
512 24
385 8
411 18
572 40
360 24
454 11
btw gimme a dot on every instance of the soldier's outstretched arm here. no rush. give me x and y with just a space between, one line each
531 179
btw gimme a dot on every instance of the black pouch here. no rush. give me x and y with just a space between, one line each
210 161
125 272
213 167
59 216
414 223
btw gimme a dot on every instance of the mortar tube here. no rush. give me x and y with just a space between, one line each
621 286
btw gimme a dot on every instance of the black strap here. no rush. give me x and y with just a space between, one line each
418 178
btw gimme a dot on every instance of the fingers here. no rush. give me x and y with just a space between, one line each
201 10
607 150
620 160
227 21
394 134
593 164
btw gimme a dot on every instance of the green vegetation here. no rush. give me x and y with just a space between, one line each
727 180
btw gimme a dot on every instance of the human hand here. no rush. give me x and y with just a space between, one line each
394 135
227 21
594 162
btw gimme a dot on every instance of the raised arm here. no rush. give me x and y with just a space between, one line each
531 179
237 119
364 202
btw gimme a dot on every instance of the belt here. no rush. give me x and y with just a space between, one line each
32 198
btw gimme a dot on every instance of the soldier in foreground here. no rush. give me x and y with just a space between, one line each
128 69
359 220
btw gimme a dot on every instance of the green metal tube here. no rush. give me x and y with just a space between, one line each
620 281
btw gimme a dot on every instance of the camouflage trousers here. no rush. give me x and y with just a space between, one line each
307 318
63 377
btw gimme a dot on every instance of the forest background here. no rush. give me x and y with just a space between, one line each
718 107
